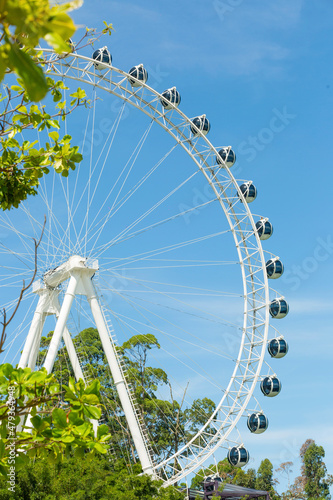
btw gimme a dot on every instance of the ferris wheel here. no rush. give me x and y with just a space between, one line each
151 234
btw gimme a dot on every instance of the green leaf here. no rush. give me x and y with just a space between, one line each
59 418
52 457
36 377
92 412
38 423
84 429
31 74
90 399
71 382
55 40
16 88
93 388
60 25
77 157
54 135
21 460
3 61
100 448
3 470
102 430
7 369
54 388
67 439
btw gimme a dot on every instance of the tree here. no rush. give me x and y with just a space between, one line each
57 425
264 480
169 425
94 479
316 483
22 24
285 469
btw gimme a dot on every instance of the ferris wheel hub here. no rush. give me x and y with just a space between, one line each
56 276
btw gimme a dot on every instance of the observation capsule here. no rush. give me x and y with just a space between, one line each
102 56
249 191
138 72
270 386
274 268
264 229
257 423
169 97
277 348
278 308
226 156
202 123
238 456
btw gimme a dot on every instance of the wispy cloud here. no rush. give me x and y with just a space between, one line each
311 306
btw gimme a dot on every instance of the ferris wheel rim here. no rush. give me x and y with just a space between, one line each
162 119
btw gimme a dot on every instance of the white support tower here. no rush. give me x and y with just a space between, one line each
80 272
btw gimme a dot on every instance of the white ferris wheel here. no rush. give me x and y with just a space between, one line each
151 234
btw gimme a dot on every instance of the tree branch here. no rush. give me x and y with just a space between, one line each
24 288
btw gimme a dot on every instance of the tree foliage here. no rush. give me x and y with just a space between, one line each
314 469
265 480
22 24
169 423
95 478
25 161
314 482
58 425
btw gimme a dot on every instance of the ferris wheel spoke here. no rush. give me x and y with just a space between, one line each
162 250
110 213
157 224
147 314
109 140
86 191
209 348
180 360
188 290
129 195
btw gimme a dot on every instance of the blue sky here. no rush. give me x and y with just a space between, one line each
243 64
263 75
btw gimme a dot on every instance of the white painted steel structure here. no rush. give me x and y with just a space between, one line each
237 396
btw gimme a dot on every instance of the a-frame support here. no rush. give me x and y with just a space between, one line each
80 282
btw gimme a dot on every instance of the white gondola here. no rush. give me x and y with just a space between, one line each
102 56
274 268
270 386
277 348
238 456
264 229
170 98
138 73
249 191
278 308
226 157
257 423
202 124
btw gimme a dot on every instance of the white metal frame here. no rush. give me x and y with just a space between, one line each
237 395
80 283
